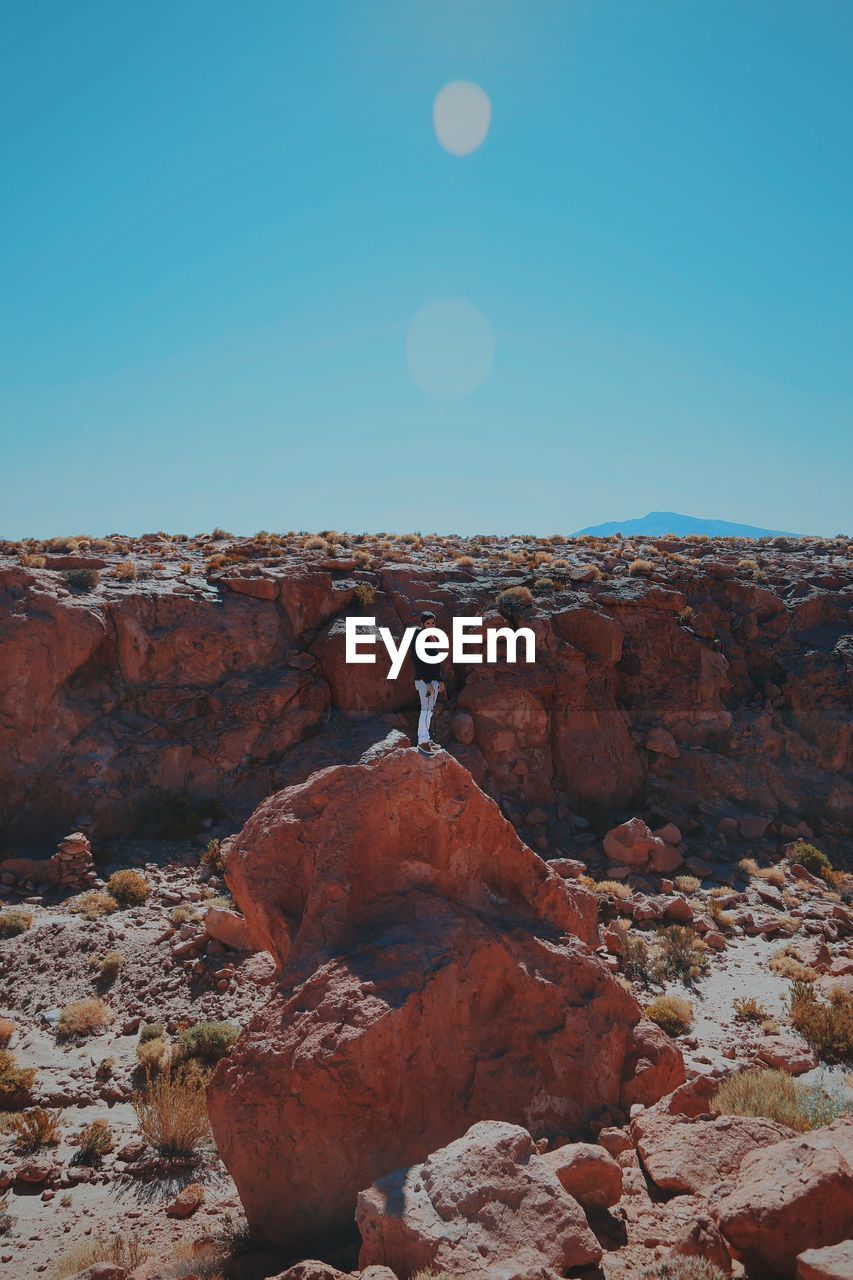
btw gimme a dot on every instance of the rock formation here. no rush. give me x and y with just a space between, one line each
434 972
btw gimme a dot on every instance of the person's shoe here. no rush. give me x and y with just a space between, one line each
435 746
425 748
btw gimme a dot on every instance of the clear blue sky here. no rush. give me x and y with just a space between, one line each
218 221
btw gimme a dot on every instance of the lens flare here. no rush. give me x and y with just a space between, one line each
461 114
449 348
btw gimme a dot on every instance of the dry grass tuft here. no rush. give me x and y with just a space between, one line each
776 1096
129 888
7 1030
109 966
810 857
673 1014
641 568
16 1083
93 904
682 1267
826 1026
121 1251
748 1009
512 601
14 922
94 1141
36 1129
172 1112
84 1018
125 571
612 889
772 875
687 884
788 964
680 953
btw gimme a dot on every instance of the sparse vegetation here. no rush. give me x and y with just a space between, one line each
641 568
6 1219
614 889
93 904
152 1054
787 964
129 888
125 571
777 1096
679 954
7 1030
94 1142
673 1014
208 1041
825 1025
82 579
687 884
636 959
723 919
37 1128
513 601
14 922
748 1009
16 1083
364 597
121 1251
83 1018
172 1112
809 856
182 914
682 1267
214 857
33 562
109 966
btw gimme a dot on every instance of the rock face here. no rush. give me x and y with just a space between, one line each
434 973
686 1154
794 1196
700 691
486 1206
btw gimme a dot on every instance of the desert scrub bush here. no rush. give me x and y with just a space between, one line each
16 1083
748 1009
636 959
673 1014
777 1096
788 964
182 915
464 562
613 889
724 920
512 601
6 1219
129 888
316 544
94 1141
83 1018
81 579
364 596
13 922
826 1026
544 585
681 1267
679 953
748 866
641 568
125 571
93 904
152 1054
7 1030
172 1112
809 856
121 1251
772 875
687 884
108 967
32 562
214 857
207 1041
186 566
37 1128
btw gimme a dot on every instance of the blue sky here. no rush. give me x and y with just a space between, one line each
219 221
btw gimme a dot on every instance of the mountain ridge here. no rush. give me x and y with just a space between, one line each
656 524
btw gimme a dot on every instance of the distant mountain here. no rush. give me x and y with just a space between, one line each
658 523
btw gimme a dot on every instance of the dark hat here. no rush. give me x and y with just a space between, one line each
427 614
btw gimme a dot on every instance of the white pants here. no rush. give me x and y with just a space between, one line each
428 694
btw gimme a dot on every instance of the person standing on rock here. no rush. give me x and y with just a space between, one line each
428 682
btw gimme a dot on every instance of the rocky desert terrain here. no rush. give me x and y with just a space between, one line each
280 997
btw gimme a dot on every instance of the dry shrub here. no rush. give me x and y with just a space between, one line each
364 596
673 1014
544 584
151 1054
6 1219
7 1030
682 1267
33 562
82 579
93 904
641 568
84 1018
612 889
788 964
777 1096
182 914
109 966
749 866
748 1009
687 884
208 1041
826 1026
464 562
125 571
129 888
16 1083
636 959
121 1251
94 1141
214 857
13 923
513 600
172 1112
36 1129
679 953
186 566
724 920
316 544
772 875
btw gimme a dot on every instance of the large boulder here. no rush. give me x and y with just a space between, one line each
791 1197
434 972
691 1154
487 1205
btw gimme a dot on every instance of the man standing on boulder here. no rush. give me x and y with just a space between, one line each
428 682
